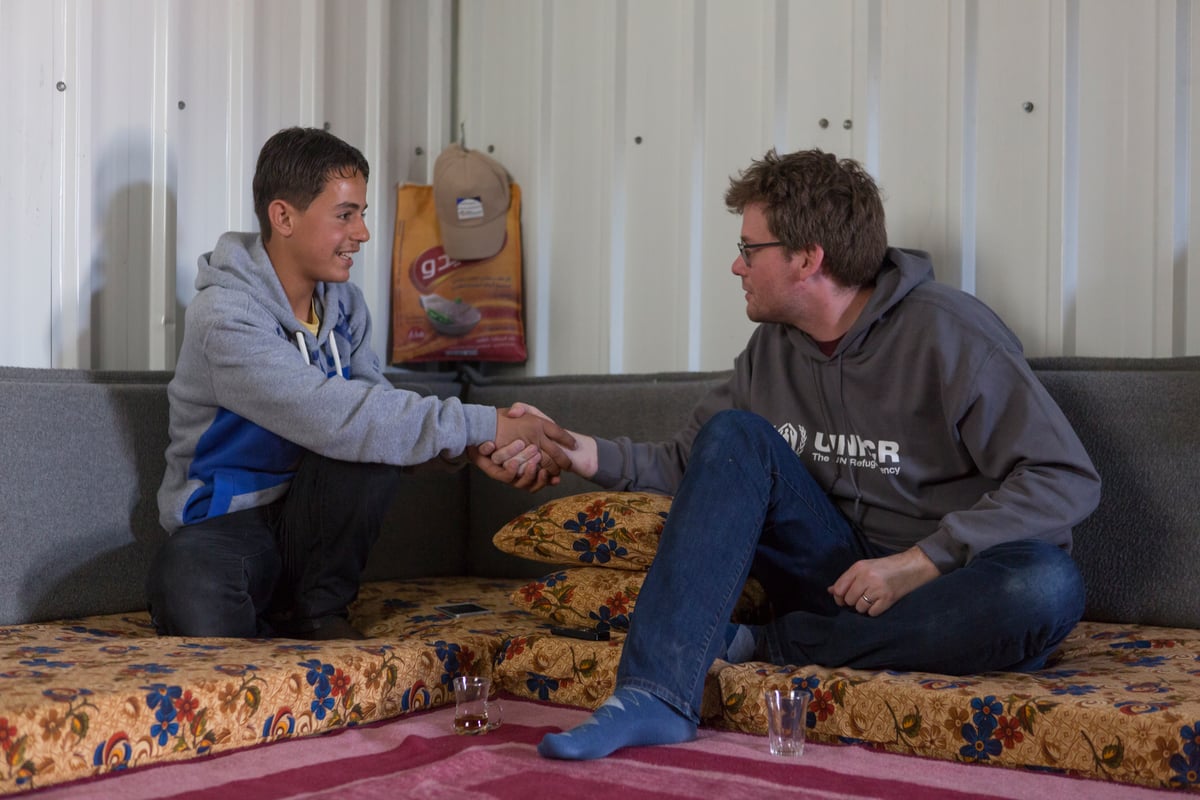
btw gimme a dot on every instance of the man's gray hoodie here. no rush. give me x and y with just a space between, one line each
253 389
926 426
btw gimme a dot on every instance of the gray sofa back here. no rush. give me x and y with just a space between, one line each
1138 420
80 465
82 458
78 517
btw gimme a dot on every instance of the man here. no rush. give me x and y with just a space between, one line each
286 438
883 461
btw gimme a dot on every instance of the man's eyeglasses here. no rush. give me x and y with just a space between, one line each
746 249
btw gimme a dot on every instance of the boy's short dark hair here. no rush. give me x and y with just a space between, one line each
812 198
295 164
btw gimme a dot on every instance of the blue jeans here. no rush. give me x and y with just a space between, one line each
747 506
278 569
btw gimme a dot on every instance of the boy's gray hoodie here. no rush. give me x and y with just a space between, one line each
926 426
253 389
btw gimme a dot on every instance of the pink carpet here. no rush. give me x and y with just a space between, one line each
418 757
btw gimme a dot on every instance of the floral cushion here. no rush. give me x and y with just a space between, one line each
604 599
603 529
1119 703
84 697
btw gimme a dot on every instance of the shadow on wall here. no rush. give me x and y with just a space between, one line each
122 268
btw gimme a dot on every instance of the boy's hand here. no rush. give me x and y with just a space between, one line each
532 429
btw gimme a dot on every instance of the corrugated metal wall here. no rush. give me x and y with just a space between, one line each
1042 150
129 136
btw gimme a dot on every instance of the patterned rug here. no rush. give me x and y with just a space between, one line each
418 757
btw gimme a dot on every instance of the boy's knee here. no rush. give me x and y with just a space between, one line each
188 596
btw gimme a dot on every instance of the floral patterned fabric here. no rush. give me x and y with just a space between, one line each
603 529
1118 703
85 697
604 599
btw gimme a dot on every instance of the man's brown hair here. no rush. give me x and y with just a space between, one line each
812 198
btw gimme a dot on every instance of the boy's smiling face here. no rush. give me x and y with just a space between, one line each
322 239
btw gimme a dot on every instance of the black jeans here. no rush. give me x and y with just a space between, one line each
277 569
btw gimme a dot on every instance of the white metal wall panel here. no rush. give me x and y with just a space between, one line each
915 151
651 307
71 229
1118 115
27 189
738 62
287 66
582 185
816 81
1017 180
120 136
203 116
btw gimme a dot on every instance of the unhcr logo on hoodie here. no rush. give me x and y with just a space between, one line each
848 449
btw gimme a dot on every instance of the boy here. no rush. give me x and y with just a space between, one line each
286 439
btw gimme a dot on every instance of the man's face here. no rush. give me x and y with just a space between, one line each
327 234
769 279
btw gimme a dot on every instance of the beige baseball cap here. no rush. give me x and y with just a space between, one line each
471 196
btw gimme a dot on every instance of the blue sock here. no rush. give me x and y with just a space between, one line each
739 643
630 717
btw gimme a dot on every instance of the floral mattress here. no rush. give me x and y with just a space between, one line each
84 697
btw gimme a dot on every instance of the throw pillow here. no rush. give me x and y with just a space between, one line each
604 529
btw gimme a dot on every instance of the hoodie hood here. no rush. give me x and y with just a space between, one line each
902 271
239 262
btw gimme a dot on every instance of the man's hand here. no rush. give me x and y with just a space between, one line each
521 470
873 585
584 459
519 465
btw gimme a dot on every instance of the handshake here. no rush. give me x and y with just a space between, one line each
531 451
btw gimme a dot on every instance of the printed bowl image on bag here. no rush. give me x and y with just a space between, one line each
450 317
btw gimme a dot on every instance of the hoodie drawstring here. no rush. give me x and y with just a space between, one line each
849 428
333 350
303 347
337 359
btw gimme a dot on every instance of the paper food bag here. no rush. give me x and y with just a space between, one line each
447 310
